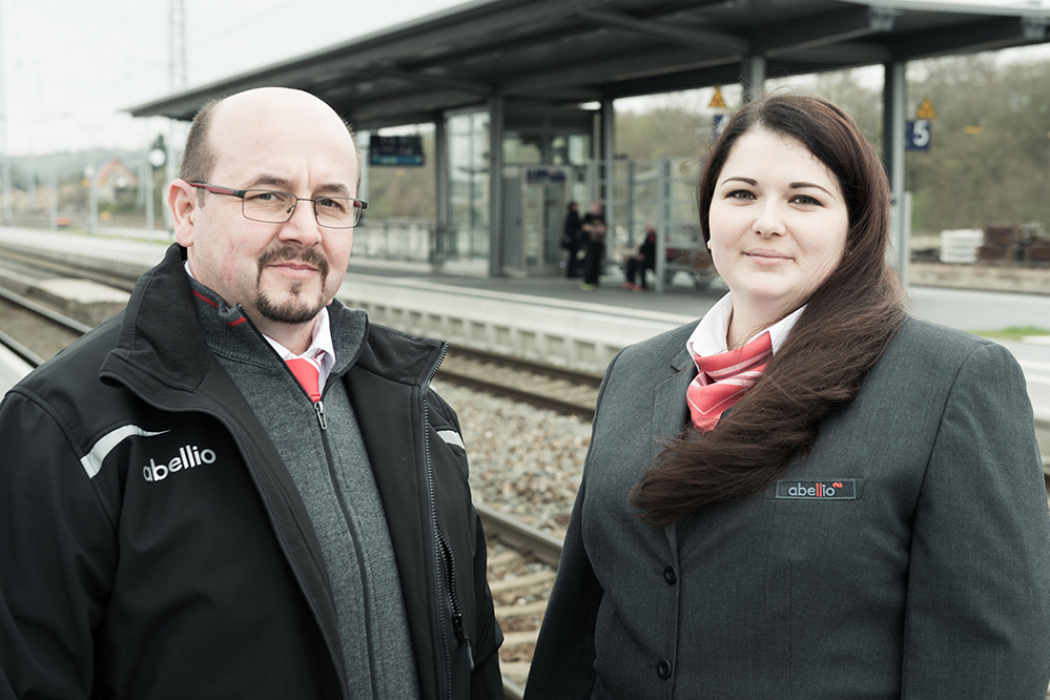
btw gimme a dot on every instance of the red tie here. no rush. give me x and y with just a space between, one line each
307 374
723 379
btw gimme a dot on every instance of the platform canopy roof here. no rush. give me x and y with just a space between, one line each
575 51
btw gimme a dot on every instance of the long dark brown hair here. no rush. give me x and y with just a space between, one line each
846 325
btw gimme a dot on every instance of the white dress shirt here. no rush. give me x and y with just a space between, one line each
711 335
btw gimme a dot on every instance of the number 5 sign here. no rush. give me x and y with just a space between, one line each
917 135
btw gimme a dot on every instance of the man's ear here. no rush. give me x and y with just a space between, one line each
183 202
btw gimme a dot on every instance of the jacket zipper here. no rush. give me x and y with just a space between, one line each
457 616
322 419
438 540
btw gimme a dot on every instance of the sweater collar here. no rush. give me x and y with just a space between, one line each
321 348
229 332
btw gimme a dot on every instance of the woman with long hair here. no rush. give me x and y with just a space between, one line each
808 493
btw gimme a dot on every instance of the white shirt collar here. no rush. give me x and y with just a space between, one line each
320 342
710 335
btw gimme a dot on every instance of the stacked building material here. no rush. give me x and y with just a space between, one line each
961 246
1001 243
1036 245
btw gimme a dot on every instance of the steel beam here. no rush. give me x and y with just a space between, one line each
981 34
688 36
435 81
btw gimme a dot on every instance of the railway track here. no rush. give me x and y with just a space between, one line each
61 269
33 331
563 390
522 565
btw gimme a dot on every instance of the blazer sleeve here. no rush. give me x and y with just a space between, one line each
977 621
563 663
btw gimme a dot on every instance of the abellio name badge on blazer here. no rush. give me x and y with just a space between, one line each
842 489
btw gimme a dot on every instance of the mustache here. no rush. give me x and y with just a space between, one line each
309 256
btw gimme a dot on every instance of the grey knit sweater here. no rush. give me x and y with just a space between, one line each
331 469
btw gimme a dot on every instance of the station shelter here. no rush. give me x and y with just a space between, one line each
521 97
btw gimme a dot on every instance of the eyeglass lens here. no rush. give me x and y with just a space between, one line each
272 207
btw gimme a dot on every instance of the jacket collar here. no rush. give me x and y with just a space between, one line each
159 337
162 345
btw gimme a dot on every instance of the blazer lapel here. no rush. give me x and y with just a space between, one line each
669 410
669 415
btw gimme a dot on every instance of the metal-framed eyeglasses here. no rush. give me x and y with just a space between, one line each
273 207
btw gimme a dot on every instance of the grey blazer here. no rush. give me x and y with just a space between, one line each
907 557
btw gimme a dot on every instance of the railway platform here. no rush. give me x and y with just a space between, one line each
551 320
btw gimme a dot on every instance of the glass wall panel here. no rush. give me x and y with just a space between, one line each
579 150
468 162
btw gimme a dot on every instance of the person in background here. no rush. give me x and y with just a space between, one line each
570 241
238 487
808 493
592 231
642 258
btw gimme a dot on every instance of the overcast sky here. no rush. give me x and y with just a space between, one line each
72 66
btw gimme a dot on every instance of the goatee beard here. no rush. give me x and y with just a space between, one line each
295 311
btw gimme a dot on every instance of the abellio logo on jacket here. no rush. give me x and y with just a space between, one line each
189 456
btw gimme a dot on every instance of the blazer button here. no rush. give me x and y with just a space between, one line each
663 669
670 575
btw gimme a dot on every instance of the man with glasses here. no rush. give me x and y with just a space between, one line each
238 488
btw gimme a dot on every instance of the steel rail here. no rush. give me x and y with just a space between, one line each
553 371
27 355
540 400
111 279
527 540
524 538
41 310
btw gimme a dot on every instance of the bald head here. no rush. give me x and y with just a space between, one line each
261 106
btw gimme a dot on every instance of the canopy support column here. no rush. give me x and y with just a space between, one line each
752 77
895 98
441 192
497 112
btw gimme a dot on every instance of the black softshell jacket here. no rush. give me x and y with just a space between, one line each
153 544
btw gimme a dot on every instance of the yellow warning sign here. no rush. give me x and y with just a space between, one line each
716 100
926 110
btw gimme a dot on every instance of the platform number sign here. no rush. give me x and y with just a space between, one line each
917 135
